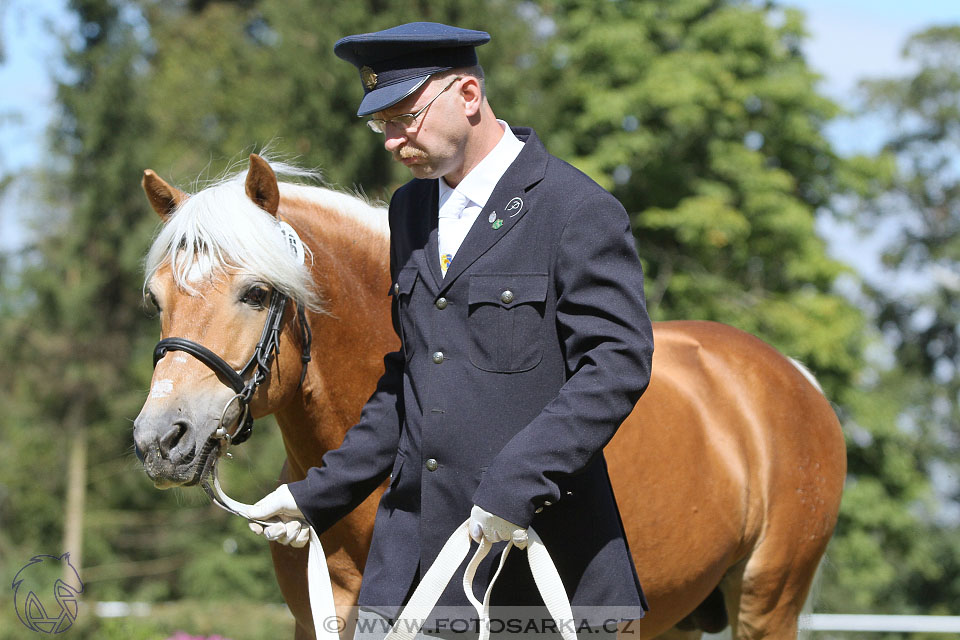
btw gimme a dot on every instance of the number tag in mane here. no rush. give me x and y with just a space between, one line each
293 241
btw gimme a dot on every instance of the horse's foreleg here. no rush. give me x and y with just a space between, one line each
290 567
301 633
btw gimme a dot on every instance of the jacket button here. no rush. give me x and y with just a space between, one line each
437 357
441 303
432 464
506 297
396 288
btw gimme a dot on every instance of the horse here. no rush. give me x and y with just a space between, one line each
728 473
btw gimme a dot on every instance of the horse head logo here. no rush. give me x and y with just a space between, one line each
41 582
513 207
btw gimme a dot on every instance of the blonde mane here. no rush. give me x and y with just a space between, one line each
219 229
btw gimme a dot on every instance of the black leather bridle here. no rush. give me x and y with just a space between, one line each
245 381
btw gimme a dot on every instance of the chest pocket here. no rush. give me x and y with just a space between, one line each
506 321
401 291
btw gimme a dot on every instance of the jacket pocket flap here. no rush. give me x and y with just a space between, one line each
508 289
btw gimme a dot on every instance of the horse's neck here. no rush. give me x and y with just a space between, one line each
351 268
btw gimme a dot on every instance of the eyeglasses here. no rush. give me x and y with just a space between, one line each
404 120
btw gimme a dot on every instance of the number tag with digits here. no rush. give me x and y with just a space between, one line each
293 242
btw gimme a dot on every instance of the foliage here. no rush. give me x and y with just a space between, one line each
701 117
905 557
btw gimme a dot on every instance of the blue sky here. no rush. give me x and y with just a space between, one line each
850 39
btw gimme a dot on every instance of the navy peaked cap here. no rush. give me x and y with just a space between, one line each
395 62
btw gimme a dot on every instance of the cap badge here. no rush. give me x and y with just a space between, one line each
369 78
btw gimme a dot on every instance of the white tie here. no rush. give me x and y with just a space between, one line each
453 226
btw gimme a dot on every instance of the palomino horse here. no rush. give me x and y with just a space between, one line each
728 473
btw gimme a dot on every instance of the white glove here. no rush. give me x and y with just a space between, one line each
279 504
484 524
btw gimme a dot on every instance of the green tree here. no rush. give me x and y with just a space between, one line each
702 118
908 559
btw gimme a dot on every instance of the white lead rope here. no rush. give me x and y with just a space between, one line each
434 582
456 548
325 621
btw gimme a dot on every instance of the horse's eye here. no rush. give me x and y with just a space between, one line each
153 301
256 296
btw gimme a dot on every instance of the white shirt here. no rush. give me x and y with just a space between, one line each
459 207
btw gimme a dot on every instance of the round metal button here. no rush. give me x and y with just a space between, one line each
432 464
396 288
441 303
438 357
506 297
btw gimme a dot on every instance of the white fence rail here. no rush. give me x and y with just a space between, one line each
878 623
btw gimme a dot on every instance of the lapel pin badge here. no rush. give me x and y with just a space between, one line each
497 223
492 217
515 205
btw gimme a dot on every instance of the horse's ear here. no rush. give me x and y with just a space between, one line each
262 185
163 198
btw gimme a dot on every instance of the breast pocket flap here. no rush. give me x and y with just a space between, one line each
508 290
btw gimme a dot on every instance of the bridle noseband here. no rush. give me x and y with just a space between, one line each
245 381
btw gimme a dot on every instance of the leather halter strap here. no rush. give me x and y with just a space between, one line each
204 355
245 381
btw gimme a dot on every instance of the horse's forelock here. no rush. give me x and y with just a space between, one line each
218 229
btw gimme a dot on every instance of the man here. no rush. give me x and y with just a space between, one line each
518 298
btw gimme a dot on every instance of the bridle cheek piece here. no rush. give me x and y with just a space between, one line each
245 381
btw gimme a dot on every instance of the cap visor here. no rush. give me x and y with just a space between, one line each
385 97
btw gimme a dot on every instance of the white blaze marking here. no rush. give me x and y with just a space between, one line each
201 267
161 389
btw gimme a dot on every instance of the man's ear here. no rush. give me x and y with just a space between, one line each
472 95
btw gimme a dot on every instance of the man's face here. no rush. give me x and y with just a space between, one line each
433 145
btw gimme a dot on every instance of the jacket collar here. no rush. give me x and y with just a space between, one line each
507 204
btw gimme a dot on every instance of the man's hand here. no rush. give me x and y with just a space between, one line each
484 524
280 504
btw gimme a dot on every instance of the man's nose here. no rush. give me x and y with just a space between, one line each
393 139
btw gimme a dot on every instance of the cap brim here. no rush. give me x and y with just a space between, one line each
385 97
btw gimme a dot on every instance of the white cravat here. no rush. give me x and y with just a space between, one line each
457 215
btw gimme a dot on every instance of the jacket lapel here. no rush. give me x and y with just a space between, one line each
427 257
506 205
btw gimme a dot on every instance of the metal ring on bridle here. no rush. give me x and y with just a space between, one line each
221 433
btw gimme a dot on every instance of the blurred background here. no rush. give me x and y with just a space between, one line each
791 168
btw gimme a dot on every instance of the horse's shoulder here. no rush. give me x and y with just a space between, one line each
713 347
705 335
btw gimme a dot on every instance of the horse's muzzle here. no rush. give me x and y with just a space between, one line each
172 451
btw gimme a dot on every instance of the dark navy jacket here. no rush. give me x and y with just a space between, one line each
530 386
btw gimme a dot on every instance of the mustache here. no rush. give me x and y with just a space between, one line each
409 152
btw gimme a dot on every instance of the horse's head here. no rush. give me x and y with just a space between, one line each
212 273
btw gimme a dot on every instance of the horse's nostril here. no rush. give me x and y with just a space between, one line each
172 437
137 450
